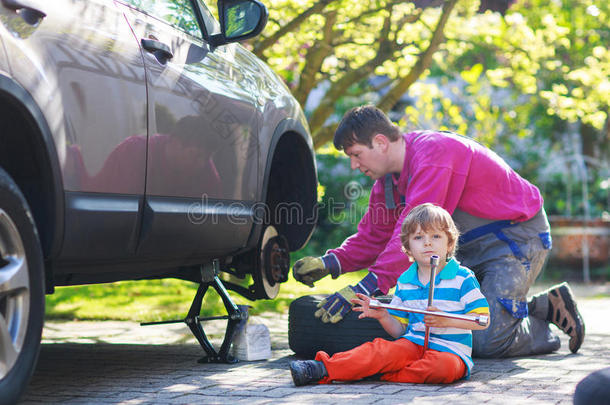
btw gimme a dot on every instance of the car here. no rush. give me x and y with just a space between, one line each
140 140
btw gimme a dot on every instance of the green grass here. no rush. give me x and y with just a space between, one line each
155 300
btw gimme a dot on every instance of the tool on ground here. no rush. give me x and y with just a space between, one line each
433 266
482 320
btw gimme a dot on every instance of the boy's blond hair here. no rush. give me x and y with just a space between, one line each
429 216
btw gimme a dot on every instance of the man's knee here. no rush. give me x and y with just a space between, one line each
497 340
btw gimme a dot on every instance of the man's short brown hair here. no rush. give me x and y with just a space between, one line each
361 124
429 216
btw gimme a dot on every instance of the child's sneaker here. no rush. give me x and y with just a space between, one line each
564 313
307 371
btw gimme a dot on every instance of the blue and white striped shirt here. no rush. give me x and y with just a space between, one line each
456 291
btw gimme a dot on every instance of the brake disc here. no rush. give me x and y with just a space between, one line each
276 260
274 264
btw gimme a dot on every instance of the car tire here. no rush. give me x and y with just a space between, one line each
308 334
21 292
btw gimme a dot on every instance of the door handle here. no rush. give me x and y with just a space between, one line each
157 48
27 11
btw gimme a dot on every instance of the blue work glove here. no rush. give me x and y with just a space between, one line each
334 307
310 269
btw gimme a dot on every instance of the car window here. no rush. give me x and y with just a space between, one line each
211 25
178 13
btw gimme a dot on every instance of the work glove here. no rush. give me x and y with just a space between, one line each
310 269
334 307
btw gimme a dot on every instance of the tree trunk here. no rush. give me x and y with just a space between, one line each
324 133
314 59
352 76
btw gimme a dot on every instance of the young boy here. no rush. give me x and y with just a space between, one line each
427 230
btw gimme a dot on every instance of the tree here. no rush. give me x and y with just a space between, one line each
531 81
338 46
534 85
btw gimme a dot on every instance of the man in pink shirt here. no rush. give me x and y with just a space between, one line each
505 233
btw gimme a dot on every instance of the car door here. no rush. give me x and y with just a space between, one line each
203 121
83 66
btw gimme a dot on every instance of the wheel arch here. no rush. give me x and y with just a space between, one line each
29 156
289 186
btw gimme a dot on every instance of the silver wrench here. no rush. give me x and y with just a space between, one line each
482 320
433 266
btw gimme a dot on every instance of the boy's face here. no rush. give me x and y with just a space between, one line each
424 244
371 161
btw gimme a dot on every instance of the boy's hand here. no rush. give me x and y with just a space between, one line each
362 303
437 321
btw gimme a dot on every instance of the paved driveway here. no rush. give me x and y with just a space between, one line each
123 363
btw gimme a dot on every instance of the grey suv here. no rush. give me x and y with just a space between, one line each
138 140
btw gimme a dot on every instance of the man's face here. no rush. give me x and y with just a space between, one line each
371 161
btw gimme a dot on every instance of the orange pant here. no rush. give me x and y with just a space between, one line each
398 361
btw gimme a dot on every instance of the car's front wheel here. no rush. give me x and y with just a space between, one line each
21 291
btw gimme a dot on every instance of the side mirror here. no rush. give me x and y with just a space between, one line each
239 20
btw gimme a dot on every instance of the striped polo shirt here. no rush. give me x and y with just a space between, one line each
456 291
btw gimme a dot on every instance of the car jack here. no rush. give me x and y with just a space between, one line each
209 277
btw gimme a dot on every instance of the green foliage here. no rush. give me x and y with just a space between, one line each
537 53
564 196
343 44
534 87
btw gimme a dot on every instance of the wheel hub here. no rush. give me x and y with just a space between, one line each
276 259
273 264
14 293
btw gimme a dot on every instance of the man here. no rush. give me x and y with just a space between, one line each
505 233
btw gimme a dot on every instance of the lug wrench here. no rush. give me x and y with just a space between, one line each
482 320
433 266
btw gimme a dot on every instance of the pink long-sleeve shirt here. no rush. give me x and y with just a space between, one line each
441 168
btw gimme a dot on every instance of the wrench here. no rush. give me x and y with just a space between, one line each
482 320
433 266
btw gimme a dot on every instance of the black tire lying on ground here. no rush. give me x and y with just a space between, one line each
307 334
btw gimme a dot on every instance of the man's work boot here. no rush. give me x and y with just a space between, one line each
307 371
564 313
